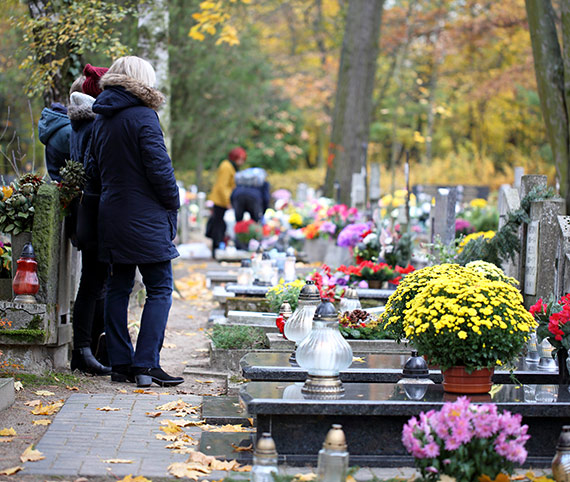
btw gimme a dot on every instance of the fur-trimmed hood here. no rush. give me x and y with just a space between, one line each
149 96
80 107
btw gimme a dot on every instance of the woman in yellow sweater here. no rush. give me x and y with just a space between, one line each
220 195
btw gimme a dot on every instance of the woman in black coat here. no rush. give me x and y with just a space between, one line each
137 216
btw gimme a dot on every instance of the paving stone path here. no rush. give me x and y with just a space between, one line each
81 437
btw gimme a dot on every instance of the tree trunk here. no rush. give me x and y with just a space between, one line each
153 27
549 71
353 104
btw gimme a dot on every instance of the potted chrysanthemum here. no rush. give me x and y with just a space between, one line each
462 321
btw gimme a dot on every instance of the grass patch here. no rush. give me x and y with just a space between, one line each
46 378
237 337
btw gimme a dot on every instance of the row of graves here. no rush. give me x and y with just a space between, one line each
317 371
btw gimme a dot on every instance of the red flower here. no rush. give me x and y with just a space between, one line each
280 324
539 306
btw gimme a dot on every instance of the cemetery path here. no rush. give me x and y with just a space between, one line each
185 345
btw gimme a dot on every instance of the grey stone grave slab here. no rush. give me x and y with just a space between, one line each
231 255
374 368
442 217
251 318
223 445
217 316
372 416
7 393
224 410
247 290
374 294
215 278
278 343
221 295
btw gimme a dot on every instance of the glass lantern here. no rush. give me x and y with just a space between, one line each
324 353
289 273
265 272
245 273
350 301
546 362
299 325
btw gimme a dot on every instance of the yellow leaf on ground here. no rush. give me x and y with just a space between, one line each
32 403
138 478
11 470
200 458
350 478
174 405
224 465
7 432
75 389
47 409
6 439
242 468
171 427
188 470
31 455
168 345
201 350
237 448
153 414
190 317
203 381
122 390
117 461
145 392
44 393
183 423
108 409
43 421
168 438
250 419
357 359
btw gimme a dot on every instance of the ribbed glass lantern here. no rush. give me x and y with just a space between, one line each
299 325
324 353
350 301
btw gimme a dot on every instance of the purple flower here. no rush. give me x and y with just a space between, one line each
351 234
363 284
328 227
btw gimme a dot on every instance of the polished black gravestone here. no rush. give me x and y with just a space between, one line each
373 414
374 369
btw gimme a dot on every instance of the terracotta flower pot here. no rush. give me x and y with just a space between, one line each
457 380
374 284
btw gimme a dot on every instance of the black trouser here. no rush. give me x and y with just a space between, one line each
250 204
88 320
217 226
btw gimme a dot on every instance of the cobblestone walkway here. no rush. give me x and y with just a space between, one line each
81 438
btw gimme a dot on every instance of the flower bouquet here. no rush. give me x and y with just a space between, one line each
17 204
351 235
246 231
369 272
466 441
553 320
455 316
289 292
361 325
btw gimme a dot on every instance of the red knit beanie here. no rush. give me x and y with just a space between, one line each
92 77
237 153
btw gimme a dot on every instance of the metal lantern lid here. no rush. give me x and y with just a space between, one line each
28 251
265 446
335 439
326 311
415 367
564 439
350 294
246 263
285 309
310 292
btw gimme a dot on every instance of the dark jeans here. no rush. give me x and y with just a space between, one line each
88 320
249 204
157 279
216 229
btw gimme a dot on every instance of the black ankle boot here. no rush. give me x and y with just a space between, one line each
122 374
146 376
83 360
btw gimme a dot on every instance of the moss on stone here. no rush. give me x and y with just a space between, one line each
24 334
46 234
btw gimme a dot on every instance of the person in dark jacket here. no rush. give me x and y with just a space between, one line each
54 129
251 194
137 216
88 320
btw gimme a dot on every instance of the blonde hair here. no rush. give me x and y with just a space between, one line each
136 68
77 85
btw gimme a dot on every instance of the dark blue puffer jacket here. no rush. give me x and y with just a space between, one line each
54 129
139 195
